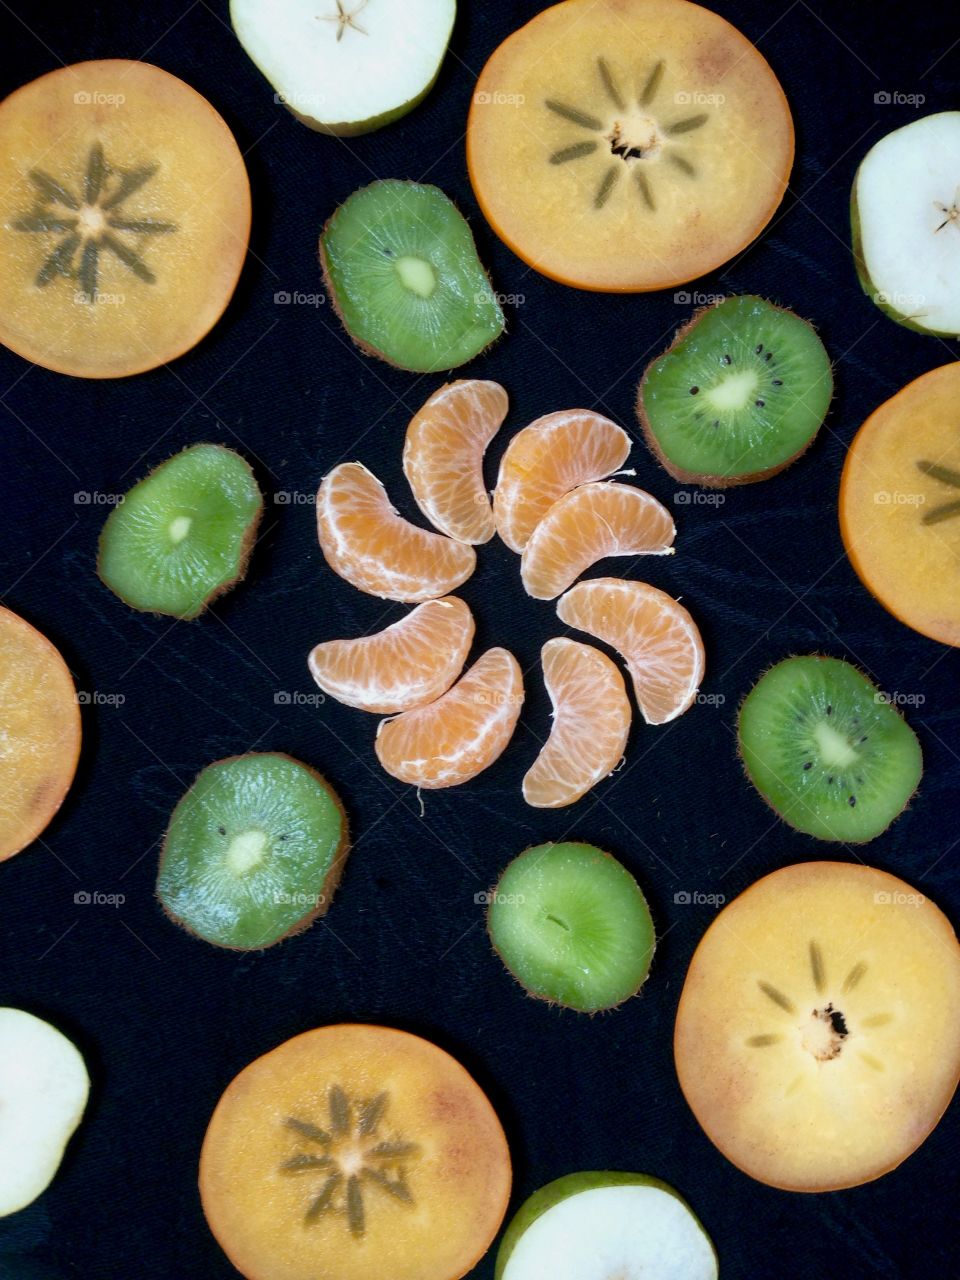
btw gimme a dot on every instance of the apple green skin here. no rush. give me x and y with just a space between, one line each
570 1185
863 275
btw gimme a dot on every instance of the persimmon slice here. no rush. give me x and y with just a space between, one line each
627 145
39 732
353 1152
125 218
900 504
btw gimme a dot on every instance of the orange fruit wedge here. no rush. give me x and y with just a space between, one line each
627 145
125 218
354 1153
900 504
460 734
546 460
39 732
407 665
654 633
366 542
591 723
586 525
443 457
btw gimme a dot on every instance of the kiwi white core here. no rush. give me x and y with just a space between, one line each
417 275
43 1093
179 528
835 749
614 1233
907 196
734 392
247 851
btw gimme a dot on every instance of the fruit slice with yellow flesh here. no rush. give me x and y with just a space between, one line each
353 1152
124 218
900 504
39 732
627 145
818 1034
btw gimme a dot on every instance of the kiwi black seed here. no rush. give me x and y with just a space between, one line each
827 750
253 852
401 268
740 393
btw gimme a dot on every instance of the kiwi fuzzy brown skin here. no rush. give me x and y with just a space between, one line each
693 477
246 546
360 343
765 799
327 889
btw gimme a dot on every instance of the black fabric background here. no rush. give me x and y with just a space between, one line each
165 1021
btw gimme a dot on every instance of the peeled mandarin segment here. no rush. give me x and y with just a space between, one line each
547 459
125 219
354 1152
818 1033
39 732
366 542
591 723
443 457
628 145
900 504
588 524
407 665
462 733
654 633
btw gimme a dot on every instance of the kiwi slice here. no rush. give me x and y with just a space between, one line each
827 751
253 852
402 271
184 534
572 926
740 394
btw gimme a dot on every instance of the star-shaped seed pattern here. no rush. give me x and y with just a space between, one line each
349 1157
951 212
345 18
91 222
947 476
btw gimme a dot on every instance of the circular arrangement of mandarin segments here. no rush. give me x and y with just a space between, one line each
352 1153
125 219
900 504
628 145
554 504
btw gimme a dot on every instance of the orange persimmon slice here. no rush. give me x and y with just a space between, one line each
124 222
39 732
353 1153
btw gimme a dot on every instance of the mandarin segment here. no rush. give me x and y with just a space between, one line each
443 457
588 524
352 1152
654 633
462 733
367 543
407 665
547 459
39 732
591 723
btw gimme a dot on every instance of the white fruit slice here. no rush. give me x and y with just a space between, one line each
43 1093
906 223
606 1226
346 66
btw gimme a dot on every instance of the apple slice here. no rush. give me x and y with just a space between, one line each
346 66
606 1226
43 1093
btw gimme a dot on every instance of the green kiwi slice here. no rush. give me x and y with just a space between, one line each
740 394
402 271
827 750
253 852
184 534
572 926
